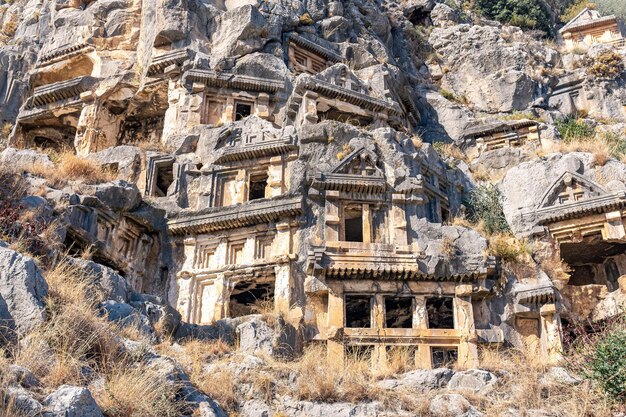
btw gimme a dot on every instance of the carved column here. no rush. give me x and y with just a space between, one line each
551 344
398 220
262 107
335 325
420 321
464 321
331 216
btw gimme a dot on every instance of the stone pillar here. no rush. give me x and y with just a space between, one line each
398 220
262 106
97 129
229 110
464 321
420 321
335 326
367 224
551 343
282 289
331 216
222 297
174 97
308 109
614 227
275 176
185 285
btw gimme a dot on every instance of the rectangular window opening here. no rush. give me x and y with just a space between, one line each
242 110
358 311
353 224
258 184
444 357
164 178
440 312
399 312
251 298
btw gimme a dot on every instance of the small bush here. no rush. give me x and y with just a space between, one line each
306 19
572 129
608 365
607 65
484 205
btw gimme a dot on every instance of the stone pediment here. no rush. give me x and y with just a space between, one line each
359 162
569 188
357 172
574 196
340 75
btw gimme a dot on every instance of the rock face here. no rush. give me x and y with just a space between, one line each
493 68
22 291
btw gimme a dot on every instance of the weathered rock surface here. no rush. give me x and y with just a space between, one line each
70 401
22 291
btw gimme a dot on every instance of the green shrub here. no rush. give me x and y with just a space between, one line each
484 204
527 14
575 8
573 129
616 7
608 364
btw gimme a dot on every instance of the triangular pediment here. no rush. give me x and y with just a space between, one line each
569 188
359 162
341 76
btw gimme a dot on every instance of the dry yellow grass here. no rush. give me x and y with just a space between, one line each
509 248
520 386
69 167
136 391
600 149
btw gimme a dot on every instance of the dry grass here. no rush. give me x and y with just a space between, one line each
509 248
448 248
602 151
520 386
138 390
220 385
450 150
69 167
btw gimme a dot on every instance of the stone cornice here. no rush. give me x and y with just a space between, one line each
257 150
537 295
490 129
240 215
386 262
59 91
349 183
159 63
333 91
575 27
314 47
233 81
64 52
576 209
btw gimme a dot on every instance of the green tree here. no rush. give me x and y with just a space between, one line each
484 203
527 14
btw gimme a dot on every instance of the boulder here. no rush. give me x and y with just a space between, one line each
109 282
449 405
560 375
70 401
20 402
257 335
420 380
126 315
443 15
125 160
24 159
118 195
160 314
22 376
240 31
472 380
22 291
